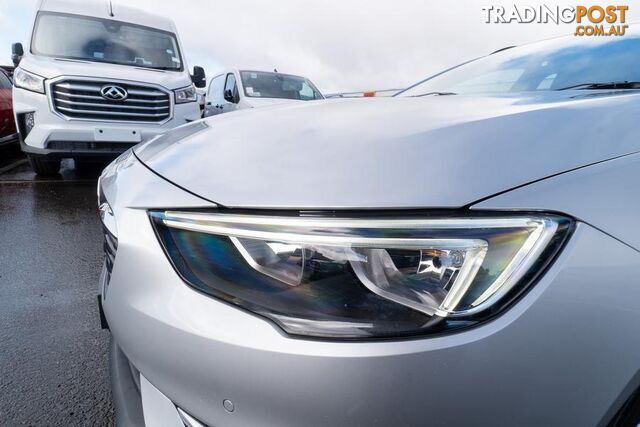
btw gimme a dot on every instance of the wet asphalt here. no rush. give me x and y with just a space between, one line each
53 354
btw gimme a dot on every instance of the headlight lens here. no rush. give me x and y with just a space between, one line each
360 278
29 81
186 94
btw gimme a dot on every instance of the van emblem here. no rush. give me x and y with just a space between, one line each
115 93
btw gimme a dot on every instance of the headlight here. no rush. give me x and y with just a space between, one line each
29 81
186 94
361 278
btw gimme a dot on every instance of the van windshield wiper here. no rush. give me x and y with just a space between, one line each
157 68
434 93
609 85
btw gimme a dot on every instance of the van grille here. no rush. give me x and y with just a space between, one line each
80 99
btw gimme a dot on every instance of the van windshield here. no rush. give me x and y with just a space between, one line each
260 84
104 40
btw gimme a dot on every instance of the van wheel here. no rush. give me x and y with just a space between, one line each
43 166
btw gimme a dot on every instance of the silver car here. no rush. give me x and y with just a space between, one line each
466 253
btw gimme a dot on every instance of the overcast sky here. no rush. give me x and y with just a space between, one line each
341 45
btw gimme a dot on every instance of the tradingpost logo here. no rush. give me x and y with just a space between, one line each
609 20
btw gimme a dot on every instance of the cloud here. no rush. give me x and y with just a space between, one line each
340 44
15 17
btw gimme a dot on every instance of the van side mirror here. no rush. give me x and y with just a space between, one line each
228 96
198 77
17 52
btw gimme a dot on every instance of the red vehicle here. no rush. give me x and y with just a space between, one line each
8 133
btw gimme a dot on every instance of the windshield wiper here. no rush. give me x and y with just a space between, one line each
434 93
609 85
157 68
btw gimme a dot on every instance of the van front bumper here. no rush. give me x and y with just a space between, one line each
77 149
56 136
565 354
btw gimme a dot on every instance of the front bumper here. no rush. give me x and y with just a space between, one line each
55 136
125 389
563 355
137 401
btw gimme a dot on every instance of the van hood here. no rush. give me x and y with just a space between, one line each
265 102
428 152
55 67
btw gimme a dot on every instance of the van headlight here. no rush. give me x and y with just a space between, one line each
186 94
27 80
361 278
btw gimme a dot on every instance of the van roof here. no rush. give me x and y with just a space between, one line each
108 10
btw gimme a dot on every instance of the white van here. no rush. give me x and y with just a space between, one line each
96 79
239 89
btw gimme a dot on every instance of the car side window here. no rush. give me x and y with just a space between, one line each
5 83
230 84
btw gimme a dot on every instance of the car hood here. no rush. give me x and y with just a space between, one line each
54 67
428 152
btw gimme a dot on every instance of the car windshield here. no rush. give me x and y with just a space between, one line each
104 40
258 84
550 65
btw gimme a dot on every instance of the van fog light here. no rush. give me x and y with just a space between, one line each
29 123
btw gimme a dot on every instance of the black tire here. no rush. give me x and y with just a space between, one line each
44 166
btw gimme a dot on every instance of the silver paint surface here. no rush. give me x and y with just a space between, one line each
559 356
430 152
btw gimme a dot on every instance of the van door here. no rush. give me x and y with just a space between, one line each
230 88
215 100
